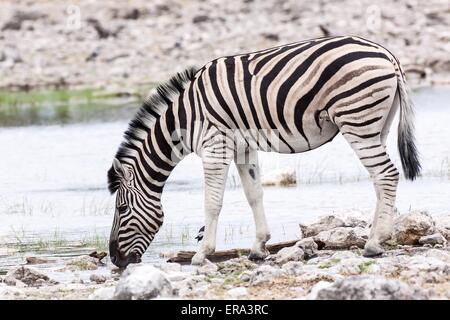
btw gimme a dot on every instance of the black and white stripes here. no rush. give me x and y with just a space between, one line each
287 99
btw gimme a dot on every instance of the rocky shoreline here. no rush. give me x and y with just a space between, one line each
120 45
326 263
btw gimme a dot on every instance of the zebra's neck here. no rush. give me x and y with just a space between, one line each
161 150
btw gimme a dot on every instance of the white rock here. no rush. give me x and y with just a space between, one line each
281 177
265 273
97 278
11 293
371 288
325 223
238 292
106 293
341 238
308 246
27 275
316 288
207 268
410 227
168 267
245 276
443 226
293 253
438 254
177 276
293 267
140 282
343 255
432 239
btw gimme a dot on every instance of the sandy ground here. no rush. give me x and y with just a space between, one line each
122 44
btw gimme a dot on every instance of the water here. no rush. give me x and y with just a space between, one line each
53 191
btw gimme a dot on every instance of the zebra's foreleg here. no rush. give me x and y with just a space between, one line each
216 162
251 182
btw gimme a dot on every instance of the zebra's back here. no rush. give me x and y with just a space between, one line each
296 89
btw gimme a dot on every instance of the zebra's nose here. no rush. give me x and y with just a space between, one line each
113 251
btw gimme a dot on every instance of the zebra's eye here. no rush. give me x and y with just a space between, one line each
122 209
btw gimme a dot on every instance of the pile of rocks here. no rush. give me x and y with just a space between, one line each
327 263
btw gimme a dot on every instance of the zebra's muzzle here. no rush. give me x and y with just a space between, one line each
119 259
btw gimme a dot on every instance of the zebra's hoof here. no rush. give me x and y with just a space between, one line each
372 250
258 256
198 259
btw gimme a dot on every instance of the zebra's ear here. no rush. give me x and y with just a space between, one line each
118 168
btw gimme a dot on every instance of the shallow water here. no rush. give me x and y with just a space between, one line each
53 187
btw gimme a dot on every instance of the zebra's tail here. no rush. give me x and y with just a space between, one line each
409 154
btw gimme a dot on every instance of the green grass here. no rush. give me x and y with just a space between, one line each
330 263
15 98
18 108
363 267
55 241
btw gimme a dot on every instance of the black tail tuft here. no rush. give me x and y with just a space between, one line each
409 154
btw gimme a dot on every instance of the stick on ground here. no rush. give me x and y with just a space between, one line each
184 257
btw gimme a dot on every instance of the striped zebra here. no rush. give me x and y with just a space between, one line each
287 99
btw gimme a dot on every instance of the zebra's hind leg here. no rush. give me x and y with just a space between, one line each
384 175
248 168
216 162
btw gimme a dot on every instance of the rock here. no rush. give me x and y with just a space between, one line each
282 177
35 260
177 276
97 278
265 273
318 287
341 238
27 275
293 253
237 293
443 226
293 267
200 19
103 294
98 255
17 19
355 222
141 282
236 265
11 293
371 288
10 55
308 246
169 267
325 223
271 36
433 239
410 227
82 263
208 268
245 276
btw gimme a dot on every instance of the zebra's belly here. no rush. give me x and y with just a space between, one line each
296 143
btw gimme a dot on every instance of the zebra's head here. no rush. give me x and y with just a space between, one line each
136 219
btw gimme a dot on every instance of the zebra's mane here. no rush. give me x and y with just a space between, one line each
151 109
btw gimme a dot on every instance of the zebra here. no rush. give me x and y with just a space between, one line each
287 99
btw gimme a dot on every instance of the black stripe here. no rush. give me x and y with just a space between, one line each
358 88
230 70
359 109
208 106
361 124
375 156
363 136
213 79
377 164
